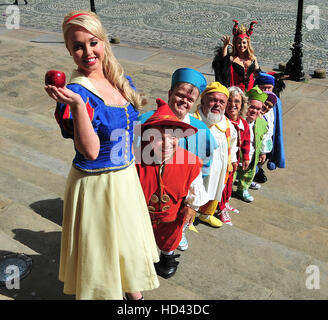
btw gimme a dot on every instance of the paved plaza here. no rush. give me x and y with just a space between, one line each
196 26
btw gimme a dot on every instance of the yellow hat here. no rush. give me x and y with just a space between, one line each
215 87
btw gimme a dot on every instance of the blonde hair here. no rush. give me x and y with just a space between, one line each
112 69
233 91
250 50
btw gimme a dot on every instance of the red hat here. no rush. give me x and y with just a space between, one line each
164 116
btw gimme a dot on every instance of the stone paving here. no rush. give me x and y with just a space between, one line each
196 26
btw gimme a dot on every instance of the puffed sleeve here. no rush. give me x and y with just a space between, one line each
64 119
197 195
266 146
221 66
63 113
206 145
233 141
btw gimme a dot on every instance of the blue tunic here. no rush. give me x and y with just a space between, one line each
276 158
112 124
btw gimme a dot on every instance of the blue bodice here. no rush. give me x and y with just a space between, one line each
113 125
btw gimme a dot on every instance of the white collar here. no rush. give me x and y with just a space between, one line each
251 124
186 119
78 78
241 125
222 124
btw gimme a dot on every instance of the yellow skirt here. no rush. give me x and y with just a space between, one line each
107 244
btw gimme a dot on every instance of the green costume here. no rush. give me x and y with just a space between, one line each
246 177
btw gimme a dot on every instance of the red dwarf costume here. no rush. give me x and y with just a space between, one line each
165 193
166 185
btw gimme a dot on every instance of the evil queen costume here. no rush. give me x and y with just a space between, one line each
230 73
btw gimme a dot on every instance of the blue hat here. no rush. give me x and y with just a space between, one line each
189 76
264 78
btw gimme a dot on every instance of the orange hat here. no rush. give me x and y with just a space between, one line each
164 116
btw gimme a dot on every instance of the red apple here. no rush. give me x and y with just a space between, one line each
55 78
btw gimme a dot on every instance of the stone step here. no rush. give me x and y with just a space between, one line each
22 174
251 267
25 231
283 223
8 244
2 297
30 151
31 196
31 229
49 143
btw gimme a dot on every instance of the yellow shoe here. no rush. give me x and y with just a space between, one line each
193 228
211 220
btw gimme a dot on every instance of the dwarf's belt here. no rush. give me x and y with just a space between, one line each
157 216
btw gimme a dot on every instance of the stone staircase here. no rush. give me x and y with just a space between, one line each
32 178
264 255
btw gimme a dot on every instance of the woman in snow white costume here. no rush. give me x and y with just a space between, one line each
107 245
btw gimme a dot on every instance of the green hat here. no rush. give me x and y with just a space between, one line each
256 94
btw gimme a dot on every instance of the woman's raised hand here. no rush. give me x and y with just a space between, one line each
226 41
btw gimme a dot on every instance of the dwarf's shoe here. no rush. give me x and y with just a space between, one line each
224 217
167 266
230 208
260 176
211 220
183 245
244 195
255 186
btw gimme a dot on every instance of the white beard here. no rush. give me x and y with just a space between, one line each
213 118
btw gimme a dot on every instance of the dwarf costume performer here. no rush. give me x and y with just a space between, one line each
202 143
172 183
231 73
276 158
268 115
225 136
260 143
243 144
